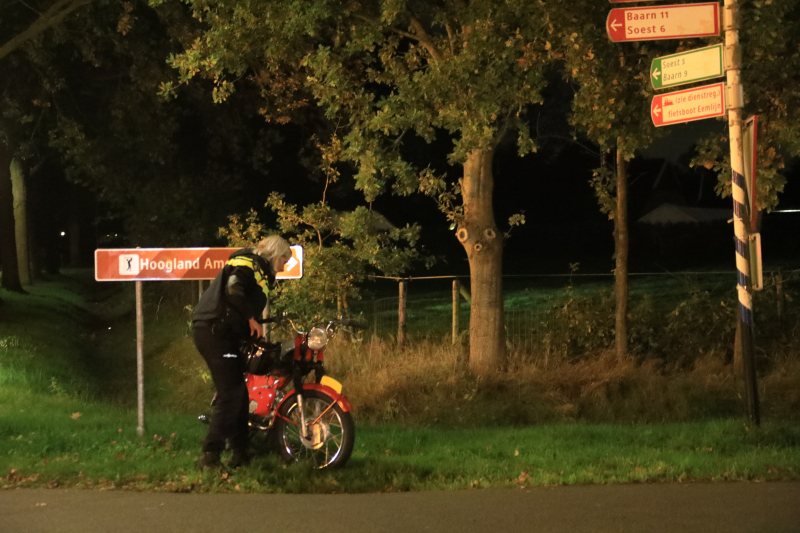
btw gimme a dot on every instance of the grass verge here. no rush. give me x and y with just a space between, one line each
67 417
98 449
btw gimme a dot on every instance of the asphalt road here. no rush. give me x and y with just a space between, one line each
652 508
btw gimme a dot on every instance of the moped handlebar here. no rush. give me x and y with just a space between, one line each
347 322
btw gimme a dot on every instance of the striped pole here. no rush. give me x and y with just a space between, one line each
740 206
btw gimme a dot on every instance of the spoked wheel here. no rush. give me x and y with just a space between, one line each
331 432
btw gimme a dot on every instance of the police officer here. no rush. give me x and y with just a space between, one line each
224 317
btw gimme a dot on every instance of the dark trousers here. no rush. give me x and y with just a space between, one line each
229 419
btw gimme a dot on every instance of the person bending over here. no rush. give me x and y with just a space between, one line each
224 317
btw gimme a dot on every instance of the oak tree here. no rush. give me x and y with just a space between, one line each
384 71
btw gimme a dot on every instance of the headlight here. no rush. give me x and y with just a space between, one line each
317 339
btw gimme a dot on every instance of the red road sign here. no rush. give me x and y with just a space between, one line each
173 264
663 22
688 105
621 1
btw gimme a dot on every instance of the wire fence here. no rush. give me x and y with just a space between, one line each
573 313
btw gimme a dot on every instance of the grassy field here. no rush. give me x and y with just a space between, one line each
67 411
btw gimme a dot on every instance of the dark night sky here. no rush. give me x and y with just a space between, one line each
564 224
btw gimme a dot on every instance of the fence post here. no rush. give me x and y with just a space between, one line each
780 295
375 318
456 314
401 315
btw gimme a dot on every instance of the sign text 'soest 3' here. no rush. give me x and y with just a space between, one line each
687 67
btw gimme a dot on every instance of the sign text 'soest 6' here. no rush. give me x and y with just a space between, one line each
688 105
165 264
663 22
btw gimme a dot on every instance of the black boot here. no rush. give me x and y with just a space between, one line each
209 461
239 458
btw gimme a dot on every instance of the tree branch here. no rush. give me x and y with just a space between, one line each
419 35
55 14
425 39
450 39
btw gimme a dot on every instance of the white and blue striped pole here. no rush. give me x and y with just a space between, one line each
741 210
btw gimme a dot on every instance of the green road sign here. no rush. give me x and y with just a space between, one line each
687 67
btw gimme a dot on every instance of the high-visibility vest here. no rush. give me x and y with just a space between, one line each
258 273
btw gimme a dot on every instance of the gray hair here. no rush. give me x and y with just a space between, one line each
272 247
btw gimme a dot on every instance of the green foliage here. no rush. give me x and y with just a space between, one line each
382 70
611 105
604 184
771 80
340 250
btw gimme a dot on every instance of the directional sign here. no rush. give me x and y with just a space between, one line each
294 267
663 22
687 67
688 105
174 264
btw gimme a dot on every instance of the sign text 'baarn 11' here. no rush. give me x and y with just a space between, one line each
663 22
173 264
688 105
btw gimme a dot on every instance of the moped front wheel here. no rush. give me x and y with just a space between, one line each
330 433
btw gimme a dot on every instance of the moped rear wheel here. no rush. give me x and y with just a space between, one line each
331 431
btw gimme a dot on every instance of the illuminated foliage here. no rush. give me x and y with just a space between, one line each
384 71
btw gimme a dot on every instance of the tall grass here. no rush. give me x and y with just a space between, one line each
429 383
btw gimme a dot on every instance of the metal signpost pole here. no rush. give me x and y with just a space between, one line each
139 359
740 206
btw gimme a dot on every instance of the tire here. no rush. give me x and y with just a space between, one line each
331 439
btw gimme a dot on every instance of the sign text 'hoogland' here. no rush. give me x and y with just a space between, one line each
165 264
663 22
688 105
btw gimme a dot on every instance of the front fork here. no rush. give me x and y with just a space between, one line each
319 372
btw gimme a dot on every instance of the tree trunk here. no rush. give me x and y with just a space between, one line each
19 192
621 244
8 244
483 243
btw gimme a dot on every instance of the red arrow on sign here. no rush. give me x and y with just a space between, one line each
663 22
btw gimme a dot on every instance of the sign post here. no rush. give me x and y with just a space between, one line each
663 22
139 360
168 264
702 20
687 67
740 209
